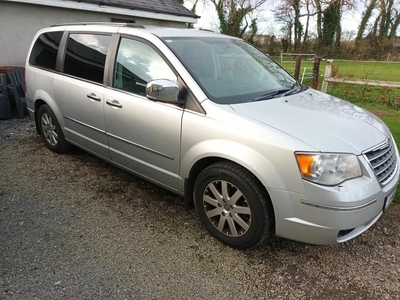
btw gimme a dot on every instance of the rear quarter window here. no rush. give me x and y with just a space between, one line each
45 49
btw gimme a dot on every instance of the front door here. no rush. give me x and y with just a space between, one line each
143 135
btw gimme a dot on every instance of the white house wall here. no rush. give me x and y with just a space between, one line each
19 22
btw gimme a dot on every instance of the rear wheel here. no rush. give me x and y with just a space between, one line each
233 206
50 130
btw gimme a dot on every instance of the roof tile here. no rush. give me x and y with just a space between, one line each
171 7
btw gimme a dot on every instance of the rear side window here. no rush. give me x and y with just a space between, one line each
85 56
44 51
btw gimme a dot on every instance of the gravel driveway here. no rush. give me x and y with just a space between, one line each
75 227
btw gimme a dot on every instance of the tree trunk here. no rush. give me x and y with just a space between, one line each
366 15
319 21
389 17
382 23
374 31
394 27
338 30
305 38
297 25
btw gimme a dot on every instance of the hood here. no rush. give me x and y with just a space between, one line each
322 121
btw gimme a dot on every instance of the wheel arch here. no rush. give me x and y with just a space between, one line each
194 172
274 168
41 98
38 104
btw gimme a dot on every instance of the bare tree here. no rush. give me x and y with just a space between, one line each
308 15
385 18
233 14
395 24
348 35
285 16
298 27
365 17
193 3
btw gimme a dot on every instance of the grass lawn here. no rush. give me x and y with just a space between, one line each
382 101
386 71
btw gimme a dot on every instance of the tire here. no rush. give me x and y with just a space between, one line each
50 130
233 206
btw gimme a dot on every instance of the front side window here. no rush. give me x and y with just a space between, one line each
230 70
137 63
45 49
85 56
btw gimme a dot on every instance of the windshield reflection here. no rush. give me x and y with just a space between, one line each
229 70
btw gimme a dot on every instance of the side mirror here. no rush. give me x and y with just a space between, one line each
163 90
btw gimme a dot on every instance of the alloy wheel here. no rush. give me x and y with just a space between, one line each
227 208
49 129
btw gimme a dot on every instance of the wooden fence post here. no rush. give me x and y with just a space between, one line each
297 67
328 74
317 61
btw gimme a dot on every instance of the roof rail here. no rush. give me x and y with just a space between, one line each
134 25
100 23
204 29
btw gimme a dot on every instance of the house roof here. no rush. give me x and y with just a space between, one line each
167 10
171 7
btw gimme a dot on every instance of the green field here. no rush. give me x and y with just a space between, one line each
387 71
383 101
373 97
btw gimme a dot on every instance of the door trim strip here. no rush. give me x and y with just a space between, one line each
140 146
119 138
84 124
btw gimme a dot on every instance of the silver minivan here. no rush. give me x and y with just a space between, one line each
215 120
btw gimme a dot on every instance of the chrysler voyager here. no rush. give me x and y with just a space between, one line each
218 122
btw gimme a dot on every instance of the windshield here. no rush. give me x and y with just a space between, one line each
230 70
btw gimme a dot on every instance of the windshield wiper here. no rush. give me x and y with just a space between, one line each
297 87
271 95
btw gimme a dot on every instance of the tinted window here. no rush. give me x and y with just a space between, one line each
85 56
44 52
137 64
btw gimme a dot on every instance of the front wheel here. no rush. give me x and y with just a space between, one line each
50 130
233 206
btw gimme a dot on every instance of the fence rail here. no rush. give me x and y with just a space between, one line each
328 78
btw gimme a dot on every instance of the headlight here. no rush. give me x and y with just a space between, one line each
328 168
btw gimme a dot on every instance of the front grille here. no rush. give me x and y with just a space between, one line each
383 161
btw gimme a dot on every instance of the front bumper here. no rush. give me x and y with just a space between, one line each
330 215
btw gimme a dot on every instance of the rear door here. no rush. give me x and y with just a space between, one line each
79 91
144 136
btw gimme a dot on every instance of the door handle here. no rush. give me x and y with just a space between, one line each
93 96
114 103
